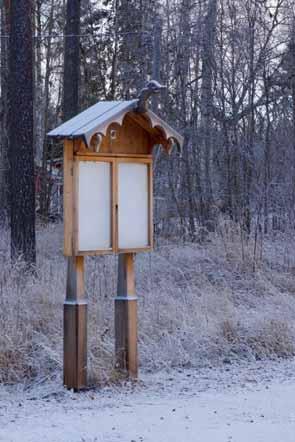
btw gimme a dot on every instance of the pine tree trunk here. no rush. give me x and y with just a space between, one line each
72 59
20 132
207 103
4 166
46 185
39 101
156 68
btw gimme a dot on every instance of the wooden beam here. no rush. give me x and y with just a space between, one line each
157 137
126 317
68 194
75 326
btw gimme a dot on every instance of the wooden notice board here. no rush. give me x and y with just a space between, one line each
112 205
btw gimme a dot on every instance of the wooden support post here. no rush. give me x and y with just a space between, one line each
126 317
75 326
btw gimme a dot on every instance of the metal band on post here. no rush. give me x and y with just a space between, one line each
126 298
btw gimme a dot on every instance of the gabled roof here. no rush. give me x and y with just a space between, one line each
98 117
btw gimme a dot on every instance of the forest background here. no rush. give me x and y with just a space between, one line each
225 202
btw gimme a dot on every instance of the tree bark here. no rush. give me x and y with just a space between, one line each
207 102
4 165
20 130
72 60
46 183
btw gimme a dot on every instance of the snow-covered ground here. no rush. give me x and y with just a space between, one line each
241 403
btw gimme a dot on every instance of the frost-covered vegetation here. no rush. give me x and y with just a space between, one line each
226 299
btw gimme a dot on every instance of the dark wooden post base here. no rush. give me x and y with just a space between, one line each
75 345
126 318
75 327
126 335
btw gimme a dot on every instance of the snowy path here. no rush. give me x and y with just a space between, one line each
237 404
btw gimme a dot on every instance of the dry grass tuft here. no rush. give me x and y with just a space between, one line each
199 305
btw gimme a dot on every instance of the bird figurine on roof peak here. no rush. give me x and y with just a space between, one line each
153 87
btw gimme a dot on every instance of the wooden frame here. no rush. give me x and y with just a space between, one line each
89 153
112 249
68 193
71 196
148 162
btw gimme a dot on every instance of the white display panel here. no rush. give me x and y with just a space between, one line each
133 205
94 206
